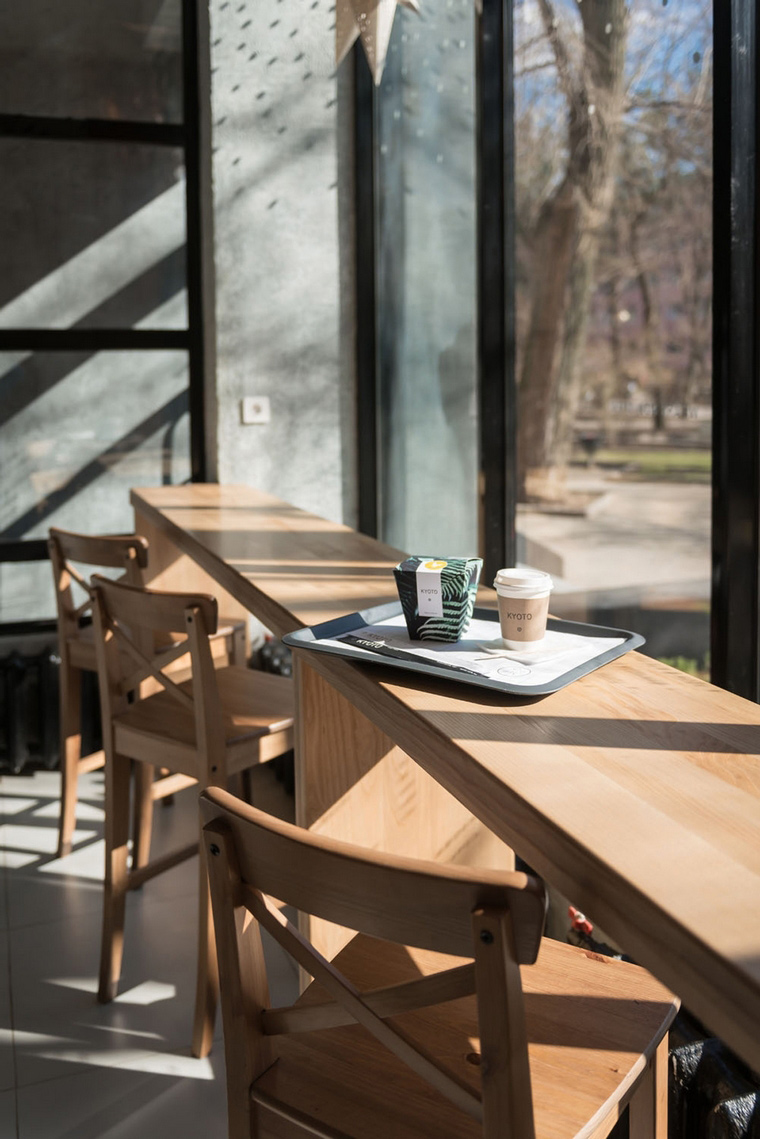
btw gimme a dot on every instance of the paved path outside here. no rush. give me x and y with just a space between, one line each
633 534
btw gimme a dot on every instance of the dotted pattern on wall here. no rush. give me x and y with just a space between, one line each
273 88
275 163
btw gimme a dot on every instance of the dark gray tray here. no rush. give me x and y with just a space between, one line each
314 638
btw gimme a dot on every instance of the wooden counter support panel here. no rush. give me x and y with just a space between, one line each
355 784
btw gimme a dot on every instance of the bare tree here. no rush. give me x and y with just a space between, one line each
567 233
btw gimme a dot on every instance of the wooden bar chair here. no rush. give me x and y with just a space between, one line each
462 1022
76 641
206 729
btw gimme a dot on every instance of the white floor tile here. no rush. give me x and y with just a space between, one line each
84 1070
8 1114
41 888
37 896
54 971
38 784
98 1104
7 1066
3 892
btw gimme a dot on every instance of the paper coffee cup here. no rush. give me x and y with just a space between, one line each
523 596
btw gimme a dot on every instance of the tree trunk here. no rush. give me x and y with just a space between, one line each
567 237
553 249
651 331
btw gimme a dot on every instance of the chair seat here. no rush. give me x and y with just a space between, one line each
254 704
589 1019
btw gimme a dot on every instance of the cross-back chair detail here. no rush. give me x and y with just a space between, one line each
461 1027
128 553
126 619
216 723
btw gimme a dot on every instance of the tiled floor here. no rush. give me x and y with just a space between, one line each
69 1067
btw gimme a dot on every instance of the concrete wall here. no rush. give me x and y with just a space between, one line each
279 169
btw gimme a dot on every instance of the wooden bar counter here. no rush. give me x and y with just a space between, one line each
635 791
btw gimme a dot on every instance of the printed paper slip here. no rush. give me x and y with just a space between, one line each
479 652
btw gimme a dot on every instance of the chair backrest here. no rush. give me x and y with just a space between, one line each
139 633
128 552
497 918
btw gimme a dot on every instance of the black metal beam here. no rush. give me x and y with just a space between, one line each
91 339
196 69
31 550
28 628
365 277
91 130
495 287
736 396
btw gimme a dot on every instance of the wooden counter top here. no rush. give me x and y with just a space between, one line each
634 790
288 567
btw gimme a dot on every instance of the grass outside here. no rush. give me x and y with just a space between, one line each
675 465
700 668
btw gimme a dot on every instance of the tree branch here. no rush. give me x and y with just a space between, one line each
559 49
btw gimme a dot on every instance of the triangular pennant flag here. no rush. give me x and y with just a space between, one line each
373 21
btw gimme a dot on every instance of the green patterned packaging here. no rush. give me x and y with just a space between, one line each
437 595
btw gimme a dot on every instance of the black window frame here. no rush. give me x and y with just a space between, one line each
734 633
192 137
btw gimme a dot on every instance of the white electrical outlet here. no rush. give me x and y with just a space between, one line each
255 409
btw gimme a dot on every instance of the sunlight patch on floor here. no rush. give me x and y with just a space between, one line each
15 804
147 993
137 1060
86 812
87 862
41 840
80 984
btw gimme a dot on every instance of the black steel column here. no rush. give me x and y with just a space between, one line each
736 406
365 278
200 228
497 471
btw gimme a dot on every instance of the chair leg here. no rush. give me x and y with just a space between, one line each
144 774
70 699
648 1110
237 649
118 770
168 800
207 979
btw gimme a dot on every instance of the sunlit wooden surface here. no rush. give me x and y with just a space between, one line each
288 567
634 791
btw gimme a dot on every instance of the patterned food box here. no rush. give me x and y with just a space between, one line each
437 595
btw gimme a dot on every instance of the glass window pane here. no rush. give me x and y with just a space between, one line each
426 268
99 60
26 592
92 235
614 190
87 429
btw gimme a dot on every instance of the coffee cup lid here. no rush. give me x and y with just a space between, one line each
523 578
